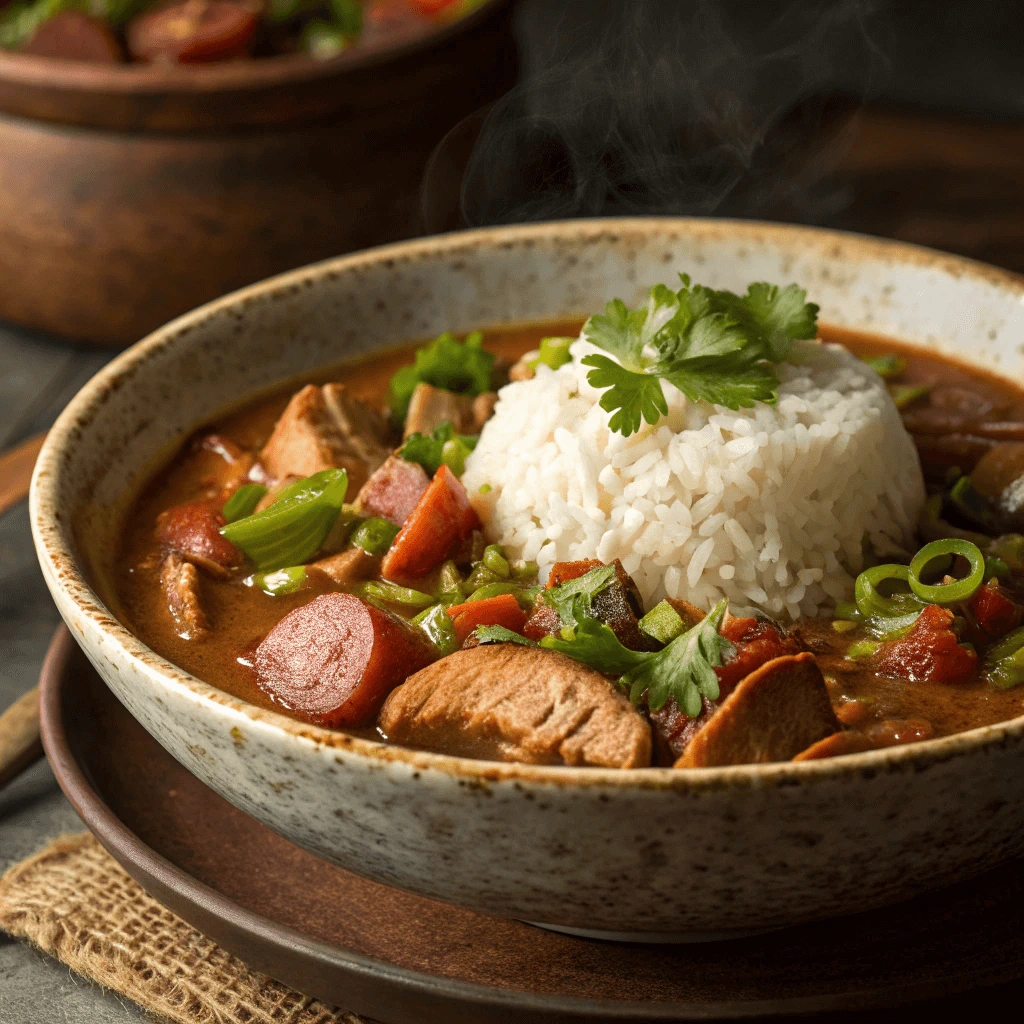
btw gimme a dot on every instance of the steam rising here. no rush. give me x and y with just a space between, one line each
673 107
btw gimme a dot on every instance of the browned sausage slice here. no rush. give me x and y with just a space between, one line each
775 713
193 531
393 491
503 702
334 660
71 35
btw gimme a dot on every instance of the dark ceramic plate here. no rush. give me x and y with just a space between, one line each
407 960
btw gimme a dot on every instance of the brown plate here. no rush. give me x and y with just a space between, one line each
406 960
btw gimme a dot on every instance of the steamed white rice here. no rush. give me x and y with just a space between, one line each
769 506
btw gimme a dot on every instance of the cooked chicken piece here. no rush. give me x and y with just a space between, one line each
504 702
430 407
393 491
836 745
326 428
523 370
775 713
352 565
180 580
223 464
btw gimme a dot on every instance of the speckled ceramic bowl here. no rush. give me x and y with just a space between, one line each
688 853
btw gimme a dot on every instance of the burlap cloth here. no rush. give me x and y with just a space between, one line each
75 902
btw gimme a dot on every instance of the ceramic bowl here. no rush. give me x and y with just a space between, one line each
656 852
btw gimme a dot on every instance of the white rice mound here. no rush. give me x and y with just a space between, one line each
768 506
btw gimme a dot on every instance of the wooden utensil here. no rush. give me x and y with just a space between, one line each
19 724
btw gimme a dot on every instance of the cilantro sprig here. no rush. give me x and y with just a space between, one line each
446 363
714 346
442 445
683 670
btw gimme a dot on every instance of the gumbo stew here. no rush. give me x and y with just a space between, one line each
319 554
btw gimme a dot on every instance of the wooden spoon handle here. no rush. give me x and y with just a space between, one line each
20 745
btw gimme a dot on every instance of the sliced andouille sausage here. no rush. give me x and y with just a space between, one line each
503 702
775 713
393 491
334 660
326 428
180 581
193 531
193 32
353 565
72 35
442 519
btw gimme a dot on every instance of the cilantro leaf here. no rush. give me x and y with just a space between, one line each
572 600
500 635
715 346
683 670
723 382
446 363
630 398
618 331
441 446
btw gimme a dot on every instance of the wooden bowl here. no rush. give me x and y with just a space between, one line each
131 193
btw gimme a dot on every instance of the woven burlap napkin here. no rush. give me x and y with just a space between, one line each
73 901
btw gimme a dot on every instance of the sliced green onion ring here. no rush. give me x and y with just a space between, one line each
292 530
947 593
243 502
872 603
281 581
391 593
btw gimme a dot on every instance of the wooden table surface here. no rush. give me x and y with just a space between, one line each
923 178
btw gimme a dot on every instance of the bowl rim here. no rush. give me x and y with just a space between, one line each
45 73
54 552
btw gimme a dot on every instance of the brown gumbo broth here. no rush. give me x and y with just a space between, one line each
956 422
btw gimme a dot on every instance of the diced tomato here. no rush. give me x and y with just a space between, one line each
562 572
930 651
543 621
441 520
492 611
193 32
334 661
193 531
996 612
431 8
756 643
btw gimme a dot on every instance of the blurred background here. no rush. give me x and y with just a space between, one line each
121 207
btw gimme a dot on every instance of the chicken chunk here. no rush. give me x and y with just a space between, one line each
430 407
353 565
326 428
504 702
775 713
180 580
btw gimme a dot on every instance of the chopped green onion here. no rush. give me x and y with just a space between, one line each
484 489
847 610
391 593
905 395
1009 548
888 366
947 593
524 595
525 571
861 650
375 535
663 623
871 602
996 568
553 352
494 560
479 576
292 530
843 625
438 625
1005 661
890 627
243 502
281 581
449 578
